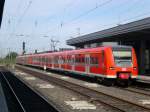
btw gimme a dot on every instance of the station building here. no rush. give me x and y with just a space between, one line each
136 34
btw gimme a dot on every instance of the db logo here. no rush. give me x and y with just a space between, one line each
124 69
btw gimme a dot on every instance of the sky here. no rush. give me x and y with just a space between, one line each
36 22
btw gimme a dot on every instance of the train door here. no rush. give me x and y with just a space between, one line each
87 63
73 62
49 61
46 60
44 63
59 62
52 61
39 60
102 62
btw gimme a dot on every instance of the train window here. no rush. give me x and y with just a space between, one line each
87 60
46 59
82 60
94 60
76 59
38 59
57 59
62 60
49 60
69 60
72 60
123 58
43 59
79 60
52 60
35 59
102 56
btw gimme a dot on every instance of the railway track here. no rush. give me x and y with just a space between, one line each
93 95
21 98
137 90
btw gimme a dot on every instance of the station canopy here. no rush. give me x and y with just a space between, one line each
1 10
132 31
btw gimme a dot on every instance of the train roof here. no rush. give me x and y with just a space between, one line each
95 49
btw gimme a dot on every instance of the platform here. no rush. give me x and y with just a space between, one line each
123 94
144 78
62 98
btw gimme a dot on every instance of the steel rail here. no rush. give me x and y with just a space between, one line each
16 97
138 91
83 90
40 100
37 92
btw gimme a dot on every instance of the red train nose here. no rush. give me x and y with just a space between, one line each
124 76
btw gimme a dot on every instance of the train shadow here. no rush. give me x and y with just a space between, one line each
84 78
94 80
76 76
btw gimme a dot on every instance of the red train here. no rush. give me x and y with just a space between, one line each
106 63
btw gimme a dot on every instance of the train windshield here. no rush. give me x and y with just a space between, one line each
123 58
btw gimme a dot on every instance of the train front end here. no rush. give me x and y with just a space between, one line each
123 65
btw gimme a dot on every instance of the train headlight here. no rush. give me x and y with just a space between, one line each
112 68
134 68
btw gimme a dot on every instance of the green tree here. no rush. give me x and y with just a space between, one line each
11 55
10 58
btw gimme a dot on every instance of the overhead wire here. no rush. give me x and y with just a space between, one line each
67 7
126 11
10 21
89 11
25 11
81 15
22 16
17 9
130 8
137 16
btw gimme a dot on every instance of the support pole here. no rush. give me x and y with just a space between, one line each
149 57
142 57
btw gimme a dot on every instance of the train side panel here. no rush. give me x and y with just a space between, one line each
96 62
